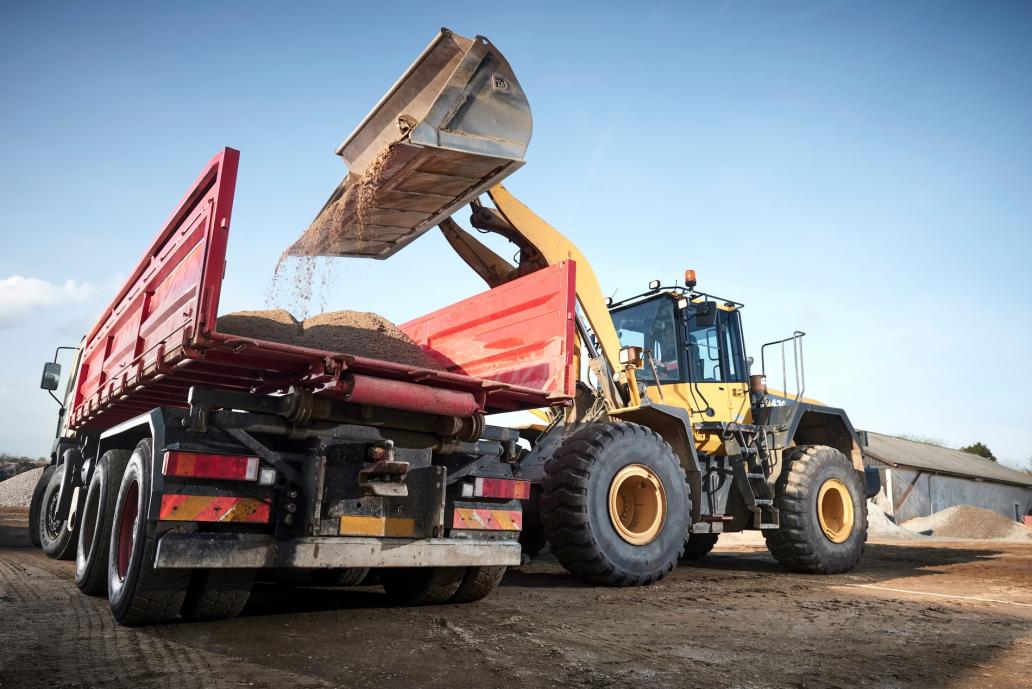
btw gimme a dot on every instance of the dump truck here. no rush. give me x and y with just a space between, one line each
188 460
671 439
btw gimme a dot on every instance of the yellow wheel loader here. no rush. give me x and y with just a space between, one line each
669 440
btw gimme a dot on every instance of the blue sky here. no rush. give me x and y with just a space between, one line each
859 171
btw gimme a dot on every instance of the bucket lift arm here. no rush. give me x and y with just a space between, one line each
540 245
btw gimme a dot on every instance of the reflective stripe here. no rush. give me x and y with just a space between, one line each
487 520
364 525
208 508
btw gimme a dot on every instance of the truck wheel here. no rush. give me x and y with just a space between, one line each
138 593
91 553
615 505
421 585
36 503
698 545
347 576
216 594
477 584
822 510
54 537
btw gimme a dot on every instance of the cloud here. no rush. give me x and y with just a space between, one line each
22 297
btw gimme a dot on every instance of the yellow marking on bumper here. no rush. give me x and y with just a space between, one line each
360 525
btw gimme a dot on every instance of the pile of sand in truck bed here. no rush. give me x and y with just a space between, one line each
348 332
966 521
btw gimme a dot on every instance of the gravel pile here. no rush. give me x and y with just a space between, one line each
882 525
350 332
965 521
17 491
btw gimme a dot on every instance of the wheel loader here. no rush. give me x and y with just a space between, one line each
668 438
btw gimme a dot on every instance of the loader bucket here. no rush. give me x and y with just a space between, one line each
454 125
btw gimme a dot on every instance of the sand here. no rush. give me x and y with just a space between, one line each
359 333
343 219
965 521
17 491
881 525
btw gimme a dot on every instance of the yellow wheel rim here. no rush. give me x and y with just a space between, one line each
835 510
637 504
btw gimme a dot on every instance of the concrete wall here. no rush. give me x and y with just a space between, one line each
935 492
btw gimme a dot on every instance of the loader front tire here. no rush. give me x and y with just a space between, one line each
56 540
615 505
138 593
822 512
93 544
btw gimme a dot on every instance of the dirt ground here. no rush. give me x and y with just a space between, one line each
915 614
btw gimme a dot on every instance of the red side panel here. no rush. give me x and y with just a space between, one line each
171 296
521 333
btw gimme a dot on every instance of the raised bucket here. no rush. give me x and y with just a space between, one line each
454 125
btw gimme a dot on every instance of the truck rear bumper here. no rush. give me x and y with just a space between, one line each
252 551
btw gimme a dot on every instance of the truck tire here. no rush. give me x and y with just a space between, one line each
698 545
421 585
215 594
477 584
823 512
54 537
138 593
91 552
347 576
36 502
615 505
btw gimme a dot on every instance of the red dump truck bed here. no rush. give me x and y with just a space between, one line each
158 337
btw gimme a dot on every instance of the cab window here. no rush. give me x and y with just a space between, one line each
715 352
652 325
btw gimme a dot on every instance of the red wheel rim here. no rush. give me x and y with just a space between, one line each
127 528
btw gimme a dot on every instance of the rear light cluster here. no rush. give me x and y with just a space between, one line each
216 466
496 488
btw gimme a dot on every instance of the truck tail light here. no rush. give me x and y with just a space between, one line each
206 465
496 488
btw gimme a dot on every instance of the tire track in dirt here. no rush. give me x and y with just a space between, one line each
95 652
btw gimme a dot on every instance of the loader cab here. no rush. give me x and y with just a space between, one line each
694 351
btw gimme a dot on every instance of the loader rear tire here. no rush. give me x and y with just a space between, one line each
421 585
699 545
822 511
56 540
215 594
93 544
36 502
477 584
615 505
138 593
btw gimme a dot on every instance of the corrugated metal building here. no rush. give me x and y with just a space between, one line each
922 479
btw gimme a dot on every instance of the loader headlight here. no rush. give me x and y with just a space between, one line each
631 356
654 285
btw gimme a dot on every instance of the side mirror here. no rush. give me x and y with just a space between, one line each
51 376
706 314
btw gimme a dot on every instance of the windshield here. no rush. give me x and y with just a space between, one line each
652 326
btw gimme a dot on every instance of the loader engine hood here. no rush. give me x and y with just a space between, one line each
454 125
